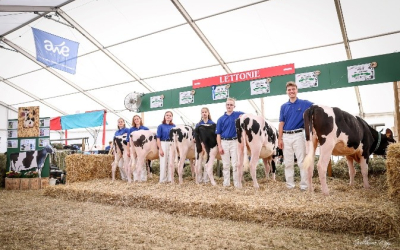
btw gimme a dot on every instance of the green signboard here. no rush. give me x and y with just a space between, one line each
331 76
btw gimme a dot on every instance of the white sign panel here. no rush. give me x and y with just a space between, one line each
219 92
12 144
44 142
12 134
44 123
306 80
44 132
186 97
28 145
360 73
12 124
259 87
156 102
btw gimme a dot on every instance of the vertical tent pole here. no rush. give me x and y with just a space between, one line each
66 137
104 128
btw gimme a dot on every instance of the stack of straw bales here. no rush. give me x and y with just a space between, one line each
88 167
393 170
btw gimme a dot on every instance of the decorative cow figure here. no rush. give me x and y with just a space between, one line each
340 133
24 161
260 138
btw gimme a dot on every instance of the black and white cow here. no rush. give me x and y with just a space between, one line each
260 138
339 133
121 158
183 146
29 160
143 147
206 143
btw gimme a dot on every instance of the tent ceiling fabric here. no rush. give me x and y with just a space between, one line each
150 45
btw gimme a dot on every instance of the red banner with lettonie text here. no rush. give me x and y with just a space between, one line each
245 76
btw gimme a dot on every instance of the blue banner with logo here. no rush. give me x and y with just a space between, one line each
55 51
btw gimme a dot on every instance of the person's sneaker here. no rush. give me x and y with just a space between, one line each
303 190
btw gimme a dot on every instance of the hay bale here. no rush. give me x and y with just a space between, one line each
88 167
58 158
393 171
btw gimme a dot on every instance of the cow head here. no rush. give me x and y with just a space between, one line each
382 144
29 119
50 149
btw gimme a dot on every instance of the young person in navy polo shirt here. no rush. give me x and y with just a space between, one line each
291 135
205 119
164 143
121 130
227 141
137 124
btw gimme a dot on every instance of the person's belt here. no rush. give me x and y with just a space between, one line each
166 140
293 131
229 139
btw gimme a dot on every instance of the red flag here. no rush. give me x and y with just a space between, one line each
55 123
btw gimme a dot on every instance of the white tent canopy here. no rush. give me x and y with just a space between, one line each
155 45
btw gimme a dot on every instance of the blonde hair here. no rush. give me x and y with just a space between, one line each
123 121
133 121
291 84
209 115
231 99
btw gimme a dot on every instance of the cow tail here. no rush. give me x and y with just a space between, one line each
246 161
242 141
174 148
308 126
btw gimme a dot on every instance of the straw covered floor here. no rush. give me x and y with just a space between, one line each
348 209
30 220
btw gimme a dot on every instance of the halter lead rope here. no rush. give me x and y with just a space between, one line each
379 142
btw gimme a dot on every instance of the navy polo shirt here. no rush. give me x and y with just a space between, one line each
163 131
292 114
226 125
135 129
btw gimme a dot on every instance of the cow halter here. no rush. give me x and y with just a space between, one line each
379 142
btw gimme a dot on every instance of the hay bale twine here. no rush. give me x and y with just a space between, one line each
393 170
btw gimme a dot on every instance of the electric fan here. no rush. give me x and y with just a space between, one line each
133 101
